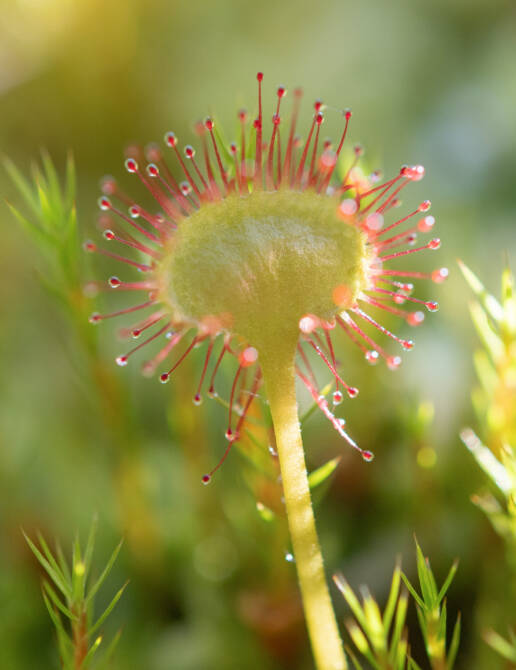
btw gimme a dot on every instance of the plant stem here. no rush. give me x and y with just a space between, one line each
279 375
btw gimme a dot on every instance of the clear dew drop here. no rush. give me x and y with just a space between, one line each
368 456
121 361
197 399
289 557
372 357
338 397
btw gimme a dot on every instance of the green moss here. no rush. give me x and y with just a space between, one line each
257 264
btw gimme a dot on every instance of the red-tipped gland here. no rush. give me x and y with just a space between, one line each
189 151
164 377
199 128
233 148
328 158
440 275
276 119
114 282
108 185
432 306
393 362
197 399
153 153
209 124
282 91
415 318
317 105
372 357
229 435
347 114
347 207
248 357
259 76
185 187
308 323
89 246
424 206
109 235
242 115
319 118
338 397
434 244
374 222
358 150
413 172
135 211
135 333
426 224
206 479
352 391
170 139
121 361
368 456
407 344
152 170
131 165
104 203
211 392
95 318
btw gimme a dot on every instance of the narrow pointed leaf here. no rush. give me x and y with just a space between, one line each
448 581
393 597
412 591
108 609
105 572
321 474
58 603
488 301
55 576
23 186
454 645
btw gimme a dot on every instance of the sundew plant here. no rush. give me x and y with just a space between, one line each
236 334
262 254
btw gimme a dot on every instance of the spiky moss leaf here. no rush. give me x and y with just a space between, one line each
398 649
508 303
488 301
23 186
108 609
323 473
256 265
454 645
92 592
265 513
393 596
55 574
487 334
485 370
506 649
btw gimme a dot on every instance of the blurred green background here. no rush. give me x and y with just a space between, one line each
430 82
